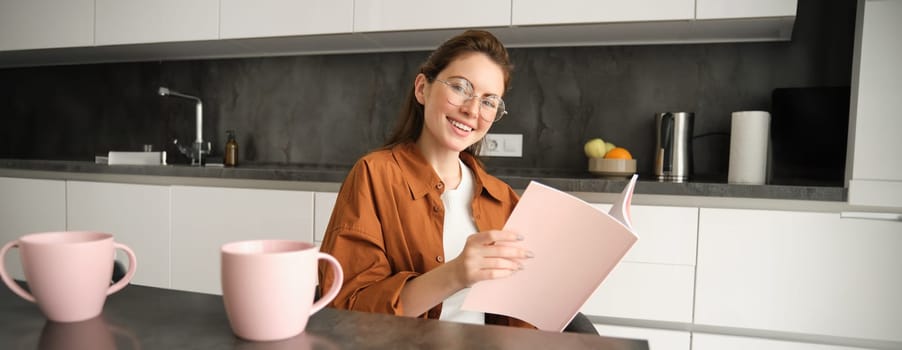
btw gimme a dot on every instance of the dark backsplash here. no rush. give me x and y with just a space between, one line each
332 109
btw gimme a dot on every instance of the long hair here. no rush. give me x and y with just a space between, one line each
410 123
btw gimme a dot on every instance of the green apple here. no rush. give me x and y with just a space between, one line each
608 147
595 148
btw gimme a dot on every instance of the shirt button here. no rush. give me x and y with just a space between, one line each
439 186
440 258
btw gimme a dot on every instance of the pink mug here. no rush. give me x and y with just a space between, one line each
68 273
268 287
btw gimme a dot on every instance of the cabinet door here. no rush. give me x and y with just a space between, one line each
29 206
136 21
136 215
266 18
324 202
667 235
720 9
655 280
533 12
876 164
658 339
800 272
392 15
644 291
205 218
704 341
43 24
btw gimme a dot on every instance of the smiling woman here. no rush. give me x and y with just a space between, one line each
414 222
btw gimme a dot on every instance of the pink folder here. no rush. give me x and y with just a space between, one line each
575 244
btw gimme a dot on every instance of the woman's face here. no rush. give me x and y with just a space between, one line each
451 127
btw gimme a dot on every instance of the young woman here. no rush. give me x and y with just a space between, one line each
416 222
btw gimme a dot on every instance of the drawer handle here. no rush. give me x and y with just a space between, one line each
870 215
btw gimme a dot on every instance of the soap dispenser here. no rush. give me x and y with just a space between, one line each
231 150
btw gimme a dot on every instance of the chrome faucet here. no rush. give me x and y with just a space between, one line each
199 149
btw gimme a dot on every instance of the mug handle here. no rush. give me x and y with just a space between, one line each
333 292
7 278
132 264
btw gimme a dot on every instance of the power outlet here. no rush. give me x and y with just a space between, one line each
503 145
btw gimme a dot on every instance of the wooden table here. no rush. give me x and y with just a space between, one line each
152 318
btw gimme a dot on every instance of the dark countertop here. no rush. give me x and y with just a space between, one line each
517 178
141 317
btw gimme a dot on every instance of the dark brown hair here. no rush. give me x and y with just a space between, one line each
410 124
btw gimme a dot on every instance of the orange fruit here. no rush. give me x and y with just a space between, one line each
618 153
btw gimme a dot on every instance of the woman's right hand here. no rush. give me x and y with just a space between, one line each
489 255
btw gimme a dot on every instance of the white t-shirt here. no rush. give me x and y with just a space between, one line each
458 226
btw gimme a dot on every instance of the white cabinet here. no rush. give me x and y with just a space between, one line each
655 280
29 206
658 339
540 12
667 235
205 218
131 30
323 202
799 272
136 21
396 15
743 20
876 176
136 215
643 22
644 291
267 18
720 9
704 341
42 24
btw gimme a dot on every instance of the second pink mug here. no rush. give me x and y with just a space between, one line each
268 287
68 273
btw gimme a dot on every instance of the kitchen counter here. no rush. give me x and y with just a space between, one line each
329 177
141 317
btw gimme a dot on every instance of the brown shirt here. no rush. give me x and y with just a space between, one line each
386 227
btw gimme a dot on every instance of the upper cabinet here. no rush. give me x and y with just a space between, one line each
643 22
399 15
743 20
43 24
134 21
720 9
538 12
269 18
129 30
876 176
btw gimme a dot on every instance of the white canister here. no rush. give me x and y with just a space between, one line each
748 147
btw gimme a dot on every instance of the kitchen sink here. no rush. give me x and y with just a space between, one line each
132 158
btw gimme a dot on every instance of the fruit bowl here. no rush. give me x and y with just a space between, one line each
612 167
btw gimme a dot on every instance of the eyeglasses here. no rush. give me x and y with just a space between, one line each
491 108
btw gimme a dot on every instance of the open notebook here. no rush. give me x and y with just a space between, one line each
576 245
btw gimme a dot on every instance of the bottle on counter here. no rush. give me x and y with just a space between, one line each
230 157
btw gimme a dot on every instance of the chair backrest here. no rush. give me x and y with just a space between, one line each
118 271
581 324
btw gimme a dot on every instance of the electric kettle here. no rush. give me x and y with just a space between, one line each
673 149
